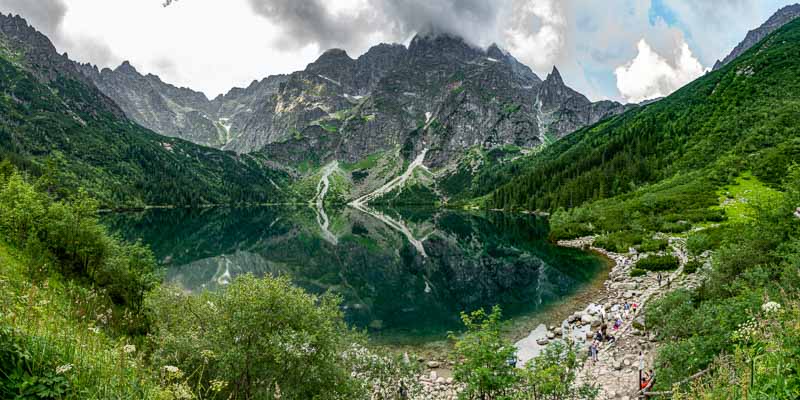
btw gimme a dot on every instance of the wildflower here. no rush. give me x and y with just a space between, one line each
63 368
171 369
218 385
94 329
182 392
770 307
207 355
129 348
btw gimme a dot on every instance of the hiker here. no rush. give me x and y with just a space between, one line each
512 361
659 279
603 314
633 308
593 351
626 309
402 391
617 323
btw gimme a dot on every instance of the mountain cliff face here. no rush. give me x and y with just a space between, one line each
52 116
178 112
438 93
777 20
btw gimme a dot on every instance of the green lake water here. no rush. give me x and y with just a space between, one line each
403 274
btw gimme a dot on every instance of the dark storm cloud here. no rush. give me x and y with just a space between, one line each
310 22
47 16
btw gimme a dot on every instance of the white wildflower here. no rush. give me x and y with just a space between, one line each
218 385
63 368
94 329
171 369
770 307
129 348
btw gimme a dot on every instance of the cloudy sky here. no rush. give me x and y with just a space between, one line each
626 50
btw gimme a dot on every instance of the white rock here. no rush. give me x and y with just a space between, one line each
542 342
433 364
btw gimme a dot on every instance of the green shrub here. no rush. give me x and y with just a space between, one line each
258 336
68 233
620 242
637 272
692 267
482 356
653 245
658 263
707 239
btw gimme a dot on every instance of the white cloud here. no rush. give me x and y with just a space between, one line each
536 34
212 45
650 75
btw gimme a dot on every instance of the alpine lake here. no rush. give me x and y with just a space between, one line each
404 274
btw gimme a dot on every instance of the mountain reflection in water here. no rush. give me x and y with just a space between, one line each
403 273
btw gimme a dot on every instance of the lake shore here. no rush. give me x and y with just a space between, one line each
616 373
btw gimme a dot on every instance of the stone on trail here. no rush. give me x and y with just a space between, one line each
551 335
433 364
542 342
617 365
586 319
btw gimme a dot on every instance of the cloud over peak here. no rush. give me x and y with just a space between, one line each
48 17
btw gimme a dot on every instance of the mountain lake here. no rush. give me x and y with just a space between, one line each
404 275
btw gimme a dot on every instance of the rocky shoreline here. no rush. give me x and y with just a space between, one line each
616 372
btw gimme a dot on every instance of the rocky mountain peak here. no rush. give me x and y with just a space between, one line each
494 51
333 56
554 78
126 68
443 45
775 22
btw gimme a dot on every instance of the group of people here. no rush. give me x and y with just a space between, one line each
600 337
602 333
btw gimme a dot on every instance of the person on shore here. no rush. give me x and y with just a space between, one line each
603 314
659 279
402 391
593 349
633 308
626 309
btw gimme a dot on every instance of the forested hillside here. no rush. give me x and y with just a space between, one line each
744 116
714 166
54 122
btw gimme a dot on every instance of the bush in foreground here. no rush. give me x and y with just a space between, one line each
264 338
